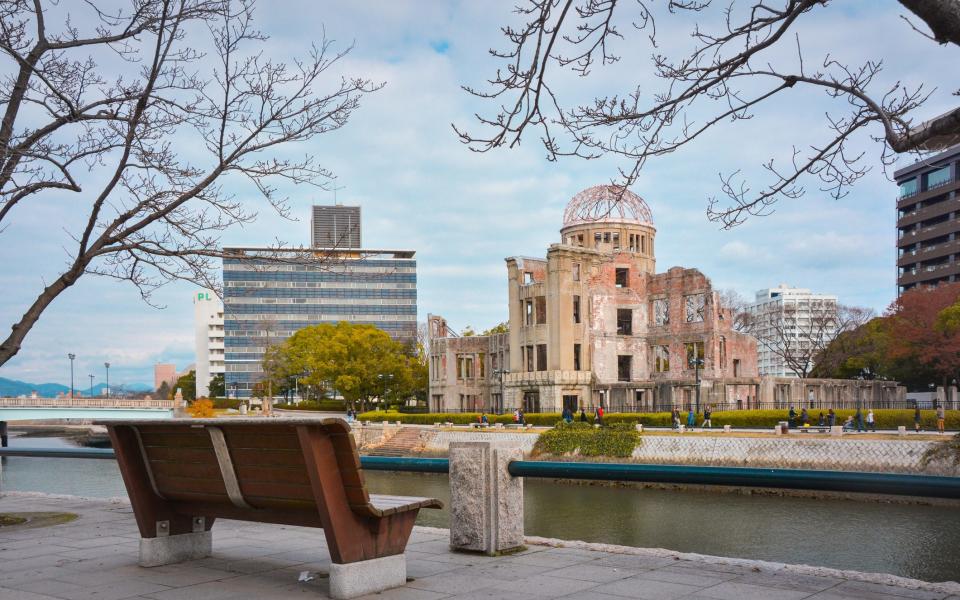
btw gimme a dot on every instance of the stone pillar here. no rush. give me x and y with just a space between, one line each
179 405
486 502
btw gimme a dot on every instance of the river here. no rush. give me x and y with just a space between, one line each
902 539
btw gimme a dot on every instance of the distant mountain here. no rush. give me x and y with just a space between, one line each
12 388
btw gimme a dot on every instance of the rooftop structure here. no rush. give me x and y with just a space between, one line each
335 226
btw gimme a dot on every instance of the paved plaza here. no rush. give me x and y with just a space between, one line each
95 557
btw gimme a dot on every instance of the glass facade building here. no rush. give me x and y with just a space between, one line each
269 295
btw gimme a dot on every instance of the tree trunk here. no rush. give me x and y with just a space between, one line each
11 346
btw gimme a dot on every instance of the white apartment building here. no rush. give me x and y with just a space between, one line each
791 325
208 338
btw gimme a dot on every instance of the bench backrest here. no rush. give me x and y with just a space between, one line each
231 467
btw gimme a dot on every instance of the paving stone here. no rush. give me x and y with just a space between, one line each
544 586
593 572
12 594
854 587
730 590
647 589
451 584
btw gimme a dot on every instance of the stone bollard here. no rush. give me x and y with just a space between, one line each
902 430
639 427
836 430
243 409
726 429
777 430
486 502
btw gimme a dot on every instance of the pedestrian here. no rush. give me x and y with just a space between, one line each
676 418
484 421
707 412
691 418
871 421
567 415
859 416
516 415
523 420
941 418
848 424
792 418
804 418
831 418
583 415
598 417
820 420
916 416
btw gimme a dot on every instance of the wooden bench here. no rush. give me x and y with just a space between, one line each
182 474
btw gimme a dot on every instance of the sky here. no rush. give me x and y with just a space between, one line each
464 212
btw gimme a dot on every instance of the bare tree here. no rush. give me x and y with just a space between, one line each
149 146
735 306
797 333
725 77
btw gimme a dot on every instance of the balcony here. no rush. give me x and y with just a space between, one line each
930 252
929 212
927 194
926 233
922 274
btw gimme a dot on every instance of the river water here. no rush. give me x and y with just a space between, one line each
916 541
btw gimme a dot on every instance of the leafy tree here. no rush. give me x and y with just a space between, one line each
503 327
163 392
187 384
924 329
468 331
217 387
749 56
98 104
360 362
201 409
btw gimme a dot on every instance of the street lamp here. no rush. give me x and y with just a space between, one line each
71 356
107 365
697 363
91 385
500 372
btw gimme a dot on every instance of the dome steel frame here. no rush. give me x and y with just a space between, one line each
607 204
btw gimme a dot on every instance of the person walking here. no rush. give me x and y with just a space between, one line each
831 418
941 418
516 416
916 416
691 418
598 417
707 412
859 417
583 416
820 420
567 415
523 418
804 417
676 418
871 421
792 418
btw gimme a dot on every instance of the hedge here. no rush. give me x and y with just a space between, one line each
760 419
322 405
617 440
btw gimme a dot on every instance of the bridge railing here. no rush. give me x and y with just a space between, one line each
84 403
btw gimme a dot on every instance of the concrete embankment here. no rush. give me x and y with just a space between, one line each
852 452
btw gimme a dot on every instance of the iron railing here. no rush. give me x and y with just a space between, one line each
802 479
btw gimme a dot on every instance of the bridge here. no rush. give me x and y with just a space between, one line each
36 409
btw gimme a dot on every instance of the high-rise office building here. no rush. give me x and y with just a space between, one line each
928 221
335 226
208 338
269 295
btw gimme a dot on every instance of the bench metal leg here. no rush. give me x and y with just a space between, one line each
351 580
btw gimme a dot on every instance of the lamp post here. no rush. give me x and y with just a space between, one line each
107 365
697 363
71 356
500 373
91 385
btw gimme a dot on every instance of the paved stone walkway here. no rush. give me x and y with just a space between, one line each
94 557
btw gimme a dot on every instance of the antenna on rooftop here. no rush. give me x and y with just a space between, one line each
335 189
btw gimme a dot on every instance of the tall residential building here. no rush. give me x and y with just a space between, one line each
928 221
335 226
269 295
790 324
207 339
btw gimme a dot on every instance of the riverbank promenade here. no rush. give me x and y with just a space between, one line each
95 557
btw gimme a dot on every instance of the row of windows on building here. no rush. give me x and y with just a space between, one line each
328 309
635 242
368 266
354 294
535 312
312 276
928 181
469 365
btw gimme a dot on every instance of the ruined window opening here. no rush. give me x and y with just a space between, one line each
493 362
624 364
529 358
643 243
541 357
616 241
464 367
723 353
621 277
576 357
580 239
541 310
696 307
736 367
606 237
694 352
576 271
481 365
527 278
576 309
597 238
624 321
661 312
661 358
528 312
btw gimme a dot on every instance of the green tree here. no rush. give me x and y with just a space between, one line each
163 392
503 327
360 362
217 387
187 384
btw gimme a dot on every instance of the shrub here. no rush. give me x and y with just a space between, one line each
201 409
227 403
321 405
946 450
618 440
